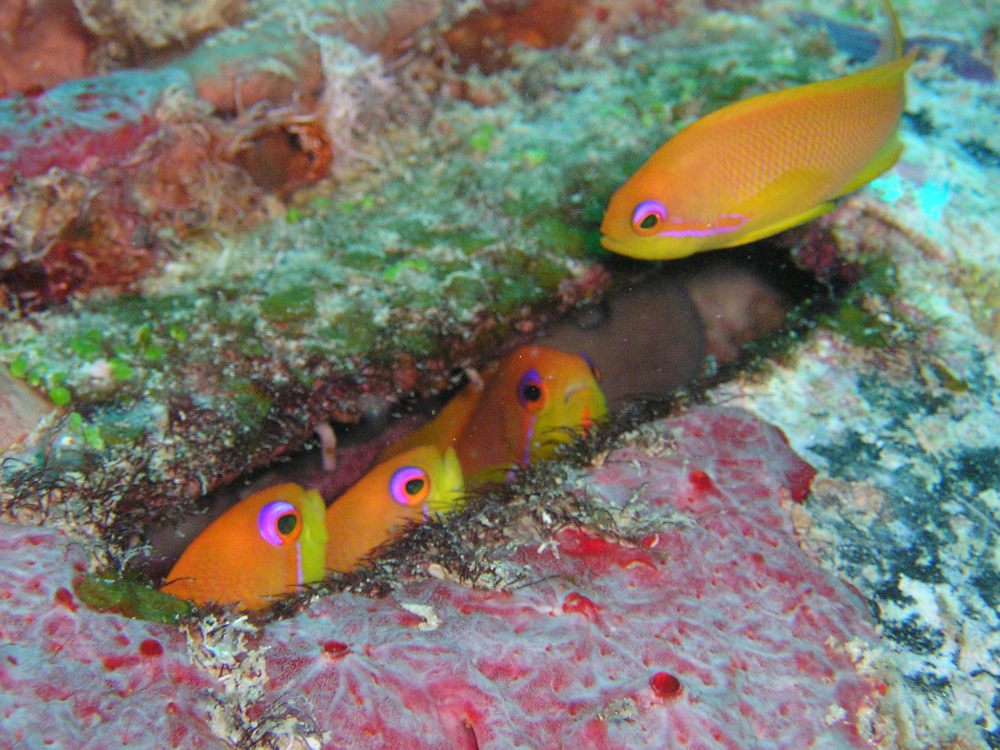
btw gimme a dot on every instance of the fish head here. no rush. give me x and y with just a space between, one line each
552 395
424 479
650 218
398 491
264 546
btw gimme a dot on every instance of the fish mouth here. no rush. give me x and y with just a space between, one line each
616 245
609 243
592 399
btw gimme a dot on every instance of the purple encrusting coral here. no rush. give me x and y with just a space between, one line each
72 677
713 629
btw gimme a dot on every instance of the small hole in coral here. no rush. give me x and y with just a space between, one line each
665 685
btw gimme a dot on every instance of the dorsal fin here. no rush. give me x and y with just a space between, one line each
892 44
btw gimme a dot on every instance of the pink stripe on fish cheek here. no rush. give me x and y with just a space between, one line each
299 576
736 220
529 433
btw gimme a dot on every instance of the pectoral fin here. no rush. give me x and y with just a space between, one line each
786 191
785 223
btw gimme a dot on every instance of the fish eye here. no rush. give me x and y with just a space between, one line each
279 523
409 485
647 217
531 391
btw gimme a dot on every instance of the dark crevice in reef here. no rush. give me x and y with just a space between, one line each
745 303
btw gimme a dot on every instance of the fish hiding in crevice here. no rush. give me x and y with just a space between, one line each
763 165
265 546
518 411
401 490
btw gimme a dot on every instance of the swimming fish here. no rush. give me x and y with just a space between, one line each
266 545
400 490
762 165
534 399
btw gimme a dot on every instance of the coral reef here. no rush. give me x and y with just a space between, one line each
367 305
41 44
895 405
321 211
589 630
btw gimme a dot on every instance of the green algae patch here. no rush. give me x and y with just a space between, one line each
858 326
393 272
88 345
858 319
128 595
559 236
289 305
60 396
250 403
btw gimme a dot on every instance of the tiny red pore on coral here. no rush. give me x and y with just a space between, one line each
701 481
335 649
111 663
665 685
575 602
65 598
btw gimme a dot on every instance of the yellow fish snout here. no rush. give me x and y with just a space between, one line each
448 493
581 407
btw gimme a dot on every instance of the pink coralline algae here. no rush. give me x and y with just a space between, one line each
71 677
714 631
711 629
101 177
82 125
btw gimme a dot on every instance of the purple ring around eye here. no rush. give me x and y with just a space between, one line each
647 209
403 476
530 378
267 521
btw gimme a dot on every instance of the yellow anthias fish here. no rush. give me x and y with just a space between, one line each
401 490
264 546
762 165
534 399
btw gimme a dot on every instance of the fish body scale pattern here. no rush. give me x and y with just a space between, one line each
814 134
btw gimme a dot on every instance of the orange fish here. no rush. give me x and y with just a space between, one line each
762 165
399 491
264 546
534 399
